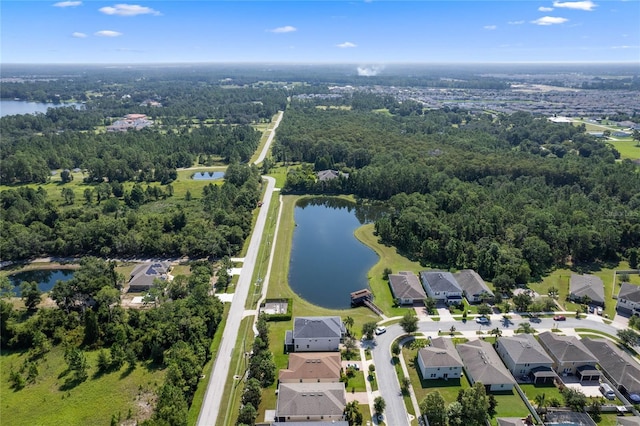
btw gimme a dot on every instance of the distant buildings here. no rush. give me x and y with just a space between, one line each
130 121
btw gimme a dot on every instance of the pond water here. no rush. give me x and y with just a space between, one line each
46 278
327 261
10 107
207 175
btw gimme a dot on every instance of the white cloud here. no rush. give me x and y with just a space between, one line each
285 29
108 33
587 5
490 27
515 22
128 10
625 47
67 4
346 45
549 20
545 9
78 35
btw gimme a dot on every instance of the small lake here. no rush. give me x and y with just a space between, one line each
46 278
327 261
207 176
9 107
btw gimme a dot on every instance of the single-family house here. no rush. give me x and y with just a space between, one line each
330 423
142 276
440 360
628 299
570 356
586 287
441 286
310 402
312 367
525 357
406 288
618 366
482 364
315 334
324 175
473 286
627 421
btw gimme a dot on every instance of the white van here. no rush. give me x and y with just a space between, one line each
607 391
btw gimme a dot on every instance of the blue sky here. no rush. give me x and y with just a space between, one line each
320 31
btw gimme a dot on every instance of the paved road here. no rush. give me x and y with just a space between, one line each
267 145
218 377
396 413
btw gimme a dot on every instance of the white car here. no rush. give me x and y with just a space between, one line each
482 320
380 330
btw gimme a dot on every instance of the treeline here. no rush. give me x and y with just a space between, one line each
114 221
174 334
145 155
510 196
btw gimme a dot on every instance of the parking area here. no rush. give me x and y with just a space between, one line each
590 389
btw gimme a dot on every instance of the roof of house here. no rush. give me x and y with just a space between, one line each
483 364
619 365
587 285
317 327
512 421
440 281
441 353
310 399
566 348
331 423
312 365
144 274
630 292
331 174
406 285
471 282
628 421
525 349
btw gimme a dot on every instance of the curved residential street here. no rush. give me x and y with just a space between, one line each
217 379
389 387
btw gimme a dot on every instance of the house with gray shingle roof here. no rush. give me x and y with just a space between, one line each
441 286
142 276
406 288
473 286
310 402
524 356
324 175
586 286
570 356
482 364
440 360
315 334
618 366
628 299
628 421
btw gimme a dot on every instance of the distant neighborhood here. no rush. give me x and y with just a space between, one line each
130 121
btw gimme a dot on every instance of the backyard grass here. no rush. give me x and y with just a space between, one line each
123 393
509 405
550 392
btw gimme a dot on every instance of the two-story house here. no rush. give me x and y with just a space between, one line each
570 356
440 360
442 286
525 357
315 334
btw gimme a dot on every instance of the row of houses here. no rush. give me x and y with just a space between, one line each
527 359
309 389
450 288
408 289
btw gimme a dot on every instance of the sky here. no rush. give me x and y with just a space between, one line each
320 31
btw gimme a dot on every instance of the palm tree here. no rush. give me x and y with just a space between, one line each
452 330
496 332
541 402
348 322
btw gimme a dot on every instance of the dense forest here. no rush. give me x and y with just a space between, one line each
511 196
112 220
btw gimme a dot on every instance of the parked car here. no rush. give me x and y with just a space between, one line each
607 391
482 320
353 365
599 310
559 318
634 398
380 330
592 309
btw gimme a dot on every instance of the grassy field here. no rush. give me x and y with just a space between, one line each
120 393
388 258
627 149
